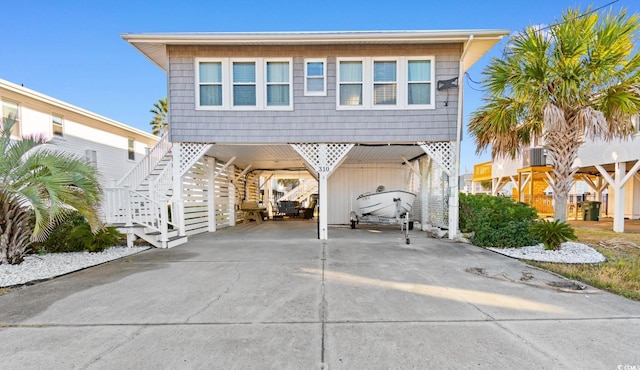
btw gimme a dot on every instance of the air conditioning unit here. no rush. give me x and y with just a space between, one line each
534 157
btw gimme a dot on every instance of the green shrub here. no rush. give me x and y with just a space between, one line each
552 233
496 221
74 235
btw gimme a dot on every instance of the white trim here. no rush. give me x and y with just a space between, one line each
198 83
402 83
227 84
324 76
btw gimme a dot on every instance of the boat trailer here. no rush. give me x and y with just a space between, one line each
402 219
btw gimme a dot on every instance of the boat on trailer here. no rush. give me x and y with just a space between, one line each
385 207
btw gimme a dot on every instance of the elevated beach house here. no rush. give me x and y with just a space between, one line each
353 109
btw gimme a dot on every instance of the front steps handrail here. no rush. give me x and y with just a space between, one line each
142 169
128 207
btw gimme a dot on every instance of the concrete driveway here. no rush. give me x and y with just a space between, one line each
272 296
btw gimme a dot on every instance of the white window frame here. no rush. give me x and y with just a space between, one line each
53 124
16 130
366 93
397 82
432 82
227 84
264 84
324 77
402 81
131 149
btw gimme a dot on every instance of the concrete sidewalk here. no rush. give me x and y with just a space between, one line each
272 296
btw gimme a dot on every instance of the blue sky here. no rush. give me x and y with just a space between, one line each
72 50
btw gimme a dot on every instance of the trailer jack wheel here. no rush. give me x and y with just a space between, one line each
353 224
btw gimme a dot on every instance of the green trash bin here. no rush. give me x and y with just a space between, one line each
590 211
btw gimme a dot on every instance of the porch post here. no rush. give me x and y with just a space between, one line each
211 193
618 206
231 171
177 189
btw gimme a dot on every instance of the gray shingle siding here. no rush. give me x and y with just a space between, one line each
313 118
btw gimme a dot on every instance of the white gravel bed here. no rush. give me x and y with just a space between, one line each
569 252
36 267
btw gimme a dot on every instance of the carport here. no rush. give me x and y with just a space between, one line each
225 175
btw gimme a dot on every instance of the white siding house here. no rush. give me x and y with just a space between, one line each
114 148
354 109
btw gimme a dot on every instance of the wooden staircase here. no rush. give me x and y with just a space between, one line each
140 204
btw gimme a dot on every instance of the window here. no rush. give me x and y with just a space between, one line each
351 83
131 154
315 82
210 83
243 84
278 83
56 125
419 82
385 83
11 115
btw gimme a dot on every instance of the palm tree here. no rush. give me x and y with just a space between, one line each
576 80
159 124
39 186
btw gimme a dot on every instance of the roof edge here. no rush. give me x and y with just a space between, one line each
59 103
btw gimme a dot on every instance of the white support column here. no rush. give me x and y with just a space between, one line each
618 206
424 194
324 159
231 170
211 193
178 202
454 191
618 183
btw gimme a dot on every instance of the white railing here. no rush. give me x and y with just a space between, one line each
300 191
162 183
142 169
128 207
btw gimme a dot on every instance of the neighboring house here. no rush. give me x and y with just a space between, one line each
611 167
114 148
354 109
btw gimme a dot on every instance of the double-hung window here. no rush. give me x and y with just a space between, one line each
210 84
11 115
351 83
131 149
56 125
244 84
278 84
419 80
315 82
385 83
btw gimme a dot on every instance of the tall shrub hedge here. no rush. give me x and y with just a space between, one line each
496 221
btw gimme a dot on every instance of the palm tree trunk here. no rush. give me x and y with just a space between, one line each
562 151
15 231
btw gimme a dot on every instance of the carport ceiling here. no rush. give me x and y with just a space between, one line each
279 157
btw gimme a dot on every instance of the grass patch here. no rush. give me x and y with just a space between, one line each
4 291
620 274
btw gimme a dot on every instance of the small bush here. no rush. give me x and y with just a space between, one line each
552 233
74 235
496 221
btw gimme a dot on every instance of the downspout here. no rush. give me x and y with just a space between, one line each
454 208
